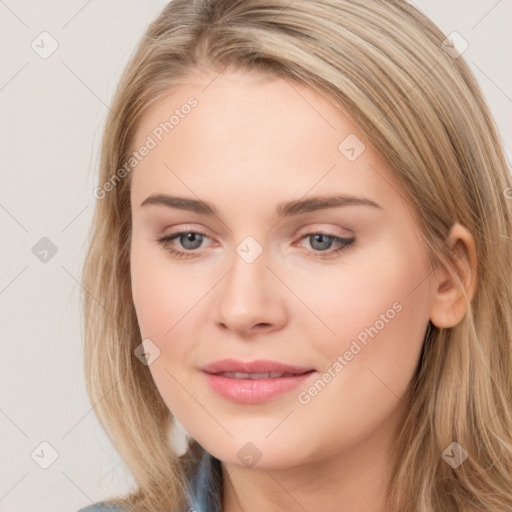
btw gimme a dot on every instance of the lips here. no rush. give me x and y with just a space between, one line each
266 375
256 381
256 369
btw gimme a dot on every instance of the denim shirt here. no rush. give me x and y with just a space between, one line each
205 488
206 485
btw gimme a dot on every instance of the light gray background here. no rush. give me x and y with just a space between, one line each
52 114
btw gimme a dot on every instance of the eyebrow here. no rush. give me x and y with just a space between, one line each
283 209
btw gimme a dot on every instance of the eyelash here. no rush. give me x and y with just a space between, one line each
346 243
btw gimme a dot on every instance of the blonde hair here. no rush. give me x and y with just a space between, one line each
382 63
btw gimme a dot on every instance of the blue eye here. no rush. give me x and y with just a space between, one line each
188 240
324 242
191 241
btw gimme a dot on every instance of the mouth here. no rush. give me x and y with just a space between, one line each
254 382
256 376
265 367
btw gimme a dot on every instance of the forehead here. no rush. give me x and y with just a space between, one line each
251 135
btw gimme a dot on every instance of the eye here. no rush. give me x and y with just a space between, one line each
189 240
321 244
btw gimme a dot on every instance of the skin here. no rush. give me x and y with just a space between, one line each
251 143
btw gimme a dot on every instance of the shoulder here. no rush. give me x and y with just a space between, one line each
102 507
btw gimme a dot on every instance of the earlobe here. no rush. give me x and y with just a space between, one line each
454 284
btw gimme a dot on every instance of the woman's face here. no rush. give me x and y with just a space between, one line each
288 268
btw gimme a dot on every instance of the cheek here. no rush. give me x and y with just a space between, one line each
161 293
378 309
170 307
163 299
365 290
379 323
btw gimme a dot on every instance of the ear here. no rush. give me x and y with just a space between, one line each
452 285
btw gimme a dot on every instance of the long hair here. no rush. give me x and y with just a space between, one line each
385 66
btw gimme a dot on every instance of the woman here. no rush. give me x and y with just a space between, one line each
301 253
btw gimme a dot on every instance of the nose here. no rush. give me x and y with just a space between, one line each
251 299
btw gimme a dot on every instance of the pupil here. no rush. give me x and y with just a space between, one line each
192 238
326 239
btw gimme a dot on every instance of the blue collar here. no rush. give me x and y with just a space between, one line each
205 493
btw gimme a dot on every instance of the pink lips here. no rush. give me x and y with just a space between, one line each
253 390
